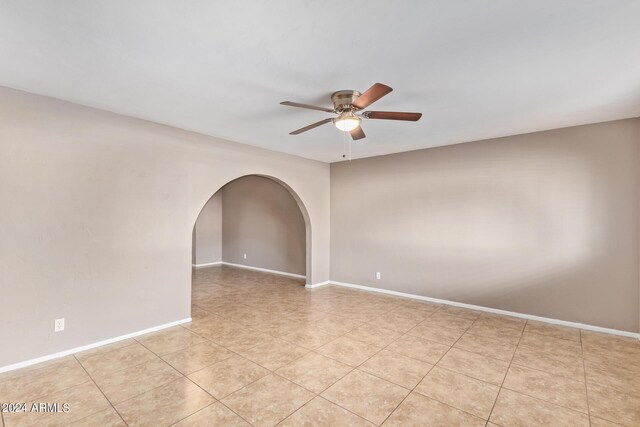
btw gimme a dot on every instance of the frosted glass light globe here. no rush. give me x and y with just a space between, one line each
347 121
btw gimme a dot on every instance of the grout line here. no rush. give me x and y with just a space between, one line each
506 372
433 366
241 417
102 392
104 350
199 410
586 387
318 396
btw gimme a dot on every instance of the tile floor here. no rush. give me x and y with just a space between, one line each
262 350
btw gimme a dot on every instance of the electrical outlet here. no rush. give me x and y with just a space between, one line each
378 275
58 325
245 256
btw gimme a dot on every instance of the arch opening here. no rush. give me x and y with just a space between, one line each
286 233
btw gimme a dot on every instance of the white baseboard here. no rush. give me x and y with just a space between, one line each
209 264
485 309
89 346
317 285
248 267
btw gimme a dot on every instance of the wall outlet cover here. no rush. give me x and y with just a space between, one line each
59 325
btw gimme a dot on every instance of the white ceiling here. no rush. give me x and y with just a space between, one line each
475 69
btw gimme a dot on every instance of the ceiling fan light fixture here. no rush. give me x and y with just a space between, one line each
347 121
346 103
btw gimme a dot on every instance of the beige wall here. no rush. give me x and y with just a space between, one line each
97 218
262 220
207 232
544 223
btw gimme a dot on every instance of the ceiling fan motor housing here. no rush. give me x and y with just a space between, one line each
343 99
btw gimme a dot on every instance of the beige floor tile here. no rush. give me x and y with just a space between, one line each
419 348
198 313
486 346
214 329
310 338
591 338
206 323
251 316
549 387
321 412
164 405
609 404
83 400
116 360
551 344
436 333
104 349
555 331
402 320
127 383
5 376
268 400
373 335
461 311
349 351
228 376
396 368
446 320
624 355
420 411
597 422
34 383
360 315
426 306
197 357
504 334
515 409
366 395
227 309
314 372
337 324
243 340
106 418
415 314
571 366
170 340
213 415
274 353
475 365
460 391
616 377
501 321
611 356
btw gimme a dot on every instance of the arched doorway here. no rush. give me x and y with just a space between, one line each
292 205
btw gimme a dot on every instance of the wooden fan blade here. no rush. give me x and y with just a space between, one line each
310 107
357 133
371 95
311 126
392 115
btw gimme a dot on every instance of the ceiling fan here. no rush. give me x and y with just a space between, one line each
348 104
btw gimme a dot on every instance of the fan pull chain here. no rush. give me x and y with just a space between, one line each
346 145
